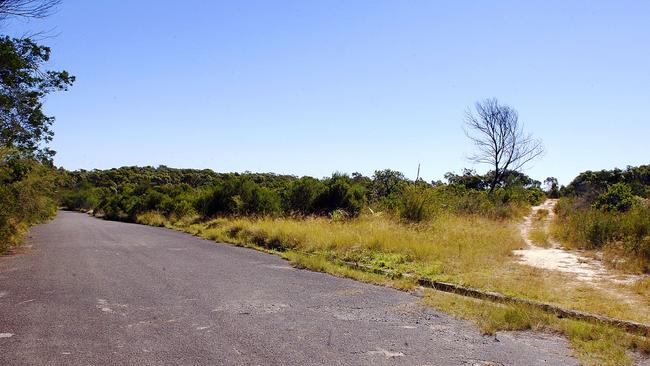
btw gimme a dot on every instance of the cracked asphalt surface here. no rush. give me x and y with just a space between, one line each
90 292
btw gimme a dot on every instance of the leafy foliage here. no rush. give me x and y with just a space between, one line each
23 85
27 178
618 197
128 192
301 195
552 187
610 210
588 185
26 195
415 204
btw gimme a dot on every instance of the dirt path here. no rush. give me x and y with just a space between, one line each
558 259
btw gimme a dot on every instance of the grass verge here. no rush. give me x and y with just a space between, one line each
593 344
466 250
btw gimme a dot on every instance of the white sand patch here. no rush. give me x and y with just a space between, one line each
561 260
557 259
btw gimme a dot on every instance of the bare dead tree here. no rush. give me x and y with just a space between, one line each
27 8
499 138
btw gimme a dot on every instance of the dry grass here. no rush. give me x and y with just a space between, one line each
642 287
151 218
541 215
449 245
623 236
468 250
593 344
13 237
539 236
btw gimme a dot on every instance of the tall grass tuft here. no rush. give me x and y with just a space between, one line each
152 218
592 228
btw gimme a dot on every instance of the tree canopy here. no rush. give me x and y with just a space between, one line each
23 85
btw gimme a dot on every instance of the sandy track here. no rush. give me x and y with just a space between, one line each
556 258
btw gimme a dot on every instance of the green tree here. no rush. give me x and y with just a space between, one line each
552 188
387 182
23 85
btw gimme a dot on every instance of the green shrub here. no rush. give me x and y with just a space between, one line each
301 195
83 199
255 200
592 228
415 204
386 188
26 190
124 193
239 196
181 208
618 197
341 193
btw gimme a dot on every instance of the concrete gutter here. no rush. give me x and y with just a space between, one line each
630 326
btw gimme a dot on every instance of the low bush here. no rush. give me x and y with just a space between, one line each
618 197
416 204
592 228
84 199
125 193
341 193
301 195
26 196
151 218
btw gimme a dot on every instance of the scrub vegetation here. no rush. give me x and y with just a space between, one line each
454 231
27 175
609 211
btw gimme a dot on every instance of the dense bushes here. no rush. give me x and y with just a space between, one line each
26 172
608 210
341 193
416 203
590 184
240 196
84 199
419 202
618 197
301 195
26 195
592 228
127 193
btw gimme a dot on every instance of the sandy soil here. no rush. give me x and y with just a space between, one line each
558 259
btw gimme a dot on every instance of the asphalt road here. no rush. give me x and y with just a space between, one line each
93 292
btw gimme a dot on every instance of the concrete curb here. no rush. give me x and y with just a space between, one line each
629 326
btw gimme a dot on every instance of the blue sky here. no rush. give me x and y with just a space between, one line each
313 87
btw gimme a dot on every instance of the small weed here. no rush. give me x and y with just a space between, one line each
152 218
540 215
539 237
